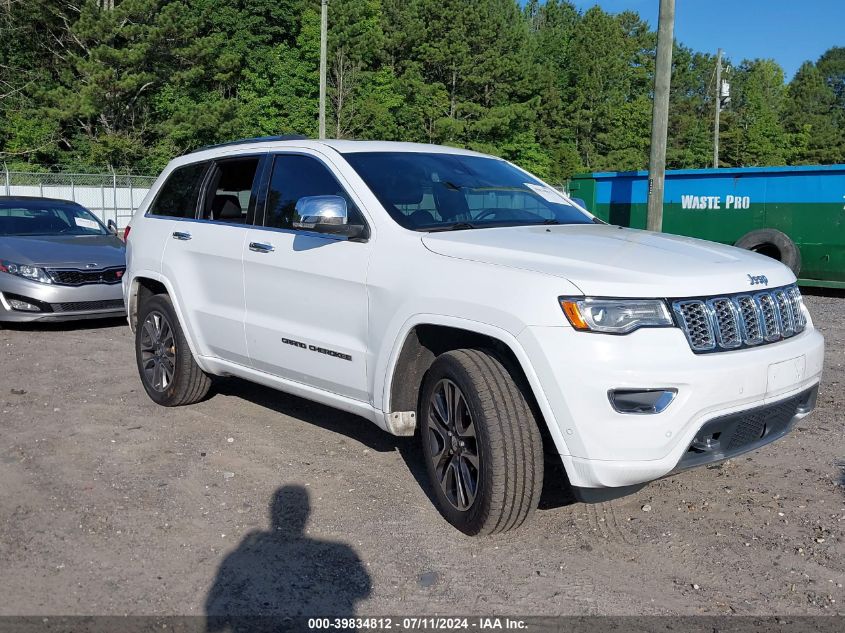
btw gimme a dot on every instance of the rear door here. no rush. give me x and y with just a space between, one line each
175 200
203 257
306 296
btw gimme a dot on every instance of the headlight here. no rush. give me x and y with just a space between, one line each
615 316
34 273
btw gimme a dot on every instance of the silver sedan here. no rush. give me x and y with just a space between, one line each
58 262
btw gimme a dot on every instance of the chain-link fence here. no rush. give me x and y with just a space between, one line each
109 196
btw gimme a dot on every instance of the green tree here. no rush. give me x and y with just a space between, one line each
754 133
810 117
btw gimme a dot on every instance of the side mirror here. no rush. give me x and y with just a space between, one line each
111 225
325 214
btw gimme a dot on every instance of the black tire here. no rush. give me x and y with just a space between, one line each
506 442
774 244
188 383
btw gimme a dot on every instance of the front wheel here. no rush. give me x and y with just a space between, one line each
481 442
169 373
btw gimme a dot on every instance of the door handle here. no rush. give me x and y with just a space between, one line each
180 235
260 247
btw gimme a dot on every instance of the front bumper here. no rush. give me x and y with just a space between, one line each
603 448
59 303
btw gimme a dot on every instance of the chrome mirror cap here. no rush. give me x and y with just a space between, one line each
321 213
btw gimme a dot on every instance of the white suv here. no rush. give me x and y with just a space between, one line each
438 289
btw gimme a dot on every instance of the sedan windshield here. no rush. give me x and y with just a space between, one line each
47 217
437 192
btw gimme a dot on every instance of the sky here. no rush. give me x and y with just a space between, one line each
788 31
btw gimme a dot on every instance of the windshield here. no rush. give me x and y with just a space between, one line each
47 217
435 192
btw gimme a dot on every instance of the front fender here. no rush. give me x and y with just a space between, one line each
387 365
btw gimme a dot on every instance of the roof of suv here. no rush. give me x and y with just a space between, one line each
341 146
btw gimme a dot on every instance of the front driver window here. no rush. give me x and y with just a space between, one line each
296 176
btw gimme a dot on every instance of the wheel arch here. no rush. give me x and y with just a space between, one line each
425 338
149 283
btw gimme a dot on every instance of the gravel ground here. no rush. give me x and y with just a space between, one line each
258 502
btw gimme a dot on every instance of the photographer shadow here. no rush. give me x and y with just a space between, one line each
283 575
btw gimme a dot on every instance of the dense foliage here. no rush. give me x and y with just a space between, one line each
128 84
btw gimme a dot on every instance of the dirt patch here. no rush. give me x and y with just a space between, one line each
259 502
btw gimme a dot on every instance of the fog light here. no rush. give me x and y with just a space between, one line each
642 401
17 304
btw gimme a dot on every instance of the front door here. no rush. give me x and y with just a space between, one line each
306 295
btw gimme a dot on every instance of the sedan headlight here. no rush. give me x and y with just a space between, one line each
615 316
33 273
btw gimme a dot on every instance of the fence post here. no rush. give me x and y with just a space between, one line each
131 197
114 193
72 191
8 187
41 188
103 200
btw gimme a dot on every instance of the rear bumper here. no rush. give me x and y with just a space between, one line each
59 303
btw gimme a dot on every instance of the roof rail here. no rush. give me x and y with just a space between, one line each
257 139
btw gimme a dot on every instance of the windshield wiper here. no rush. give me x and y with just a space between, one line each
457 226
551 221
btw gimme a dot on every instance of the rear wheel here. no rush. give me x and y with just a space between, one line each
169 373
481 442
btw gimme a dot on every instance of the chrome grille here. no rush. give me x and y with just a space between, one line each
696 324
735 321
727 324
771 322
797 303
750 319
787 326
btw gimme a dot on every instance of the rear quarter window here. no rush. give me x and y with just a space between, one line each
178 196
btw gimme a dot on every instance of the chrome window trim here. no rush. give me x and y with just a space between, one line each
255 227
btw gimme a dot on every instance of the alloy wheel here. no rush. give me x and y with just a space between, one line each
453 445
158 351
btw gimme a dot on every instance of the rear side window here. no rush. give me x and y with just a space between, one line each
180 192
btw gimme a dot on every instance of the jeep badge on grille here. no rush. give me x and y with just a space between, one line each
761 280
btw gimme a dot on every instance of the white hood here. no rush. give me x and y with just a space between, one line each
611 261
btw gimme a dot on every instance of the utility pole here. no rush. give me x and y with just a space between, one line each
324 29
718 109
660 114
